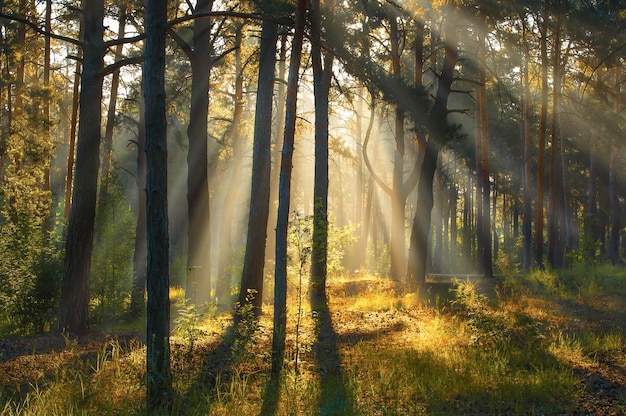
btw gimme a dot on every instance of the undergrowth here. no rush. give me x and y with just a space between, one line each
515 354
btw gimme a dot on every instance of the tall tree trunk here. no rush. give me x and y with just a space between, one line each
139 256
158 384
322 74
484 231
47 225
543 119
286 165
69 174
555 238
279 122
107 141
79 240
616 214
591 220
418 250
222 291
254 261
398 201
198 284
527 169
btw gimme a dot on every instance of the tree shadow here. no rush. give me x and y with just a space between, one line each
271 396
334 397
220 360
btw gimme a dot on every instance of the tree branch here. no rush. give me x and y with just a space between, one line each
41 31
122 62
366 158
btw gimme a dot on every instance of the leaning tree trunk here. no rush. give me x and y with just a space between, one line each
158 384
79 240
251 291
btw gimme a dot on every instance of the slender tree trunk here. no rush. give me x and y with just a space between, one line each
252 276
139 256
527 169
322 74
69 175
555 255
286 165
591 223
110 123
198 284
616 214
485 229
47 225
279 122
542 138
223 283
158 384
398 201
79 241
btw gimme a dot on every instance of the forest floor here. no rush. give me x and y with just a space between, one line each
378 351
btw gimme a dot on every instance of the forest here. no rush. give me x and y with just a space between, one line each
373 207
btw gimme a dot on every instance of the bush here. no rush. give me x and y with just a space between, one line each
30 277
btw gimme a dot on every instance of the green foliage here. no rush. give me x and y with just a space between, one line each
188 322
339 239
30 277
112 267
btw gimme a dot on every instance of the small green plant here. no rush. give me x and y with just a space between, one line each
188 322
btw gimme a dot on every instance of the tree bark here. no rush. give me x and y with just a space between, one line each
542 138
198 282
418 251
158 380
322 74
286 165
139 256
527 169
254 260
484 232
110 123
223 284
616 214
73 315
555 240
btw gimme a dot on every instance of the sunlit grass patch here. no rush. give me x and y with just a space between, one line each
453 381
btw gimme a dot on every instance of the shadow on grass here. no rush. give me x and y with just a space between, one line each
334 396
271 396
219 362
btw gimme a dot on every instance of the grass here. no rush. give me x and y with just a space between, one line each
527 352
